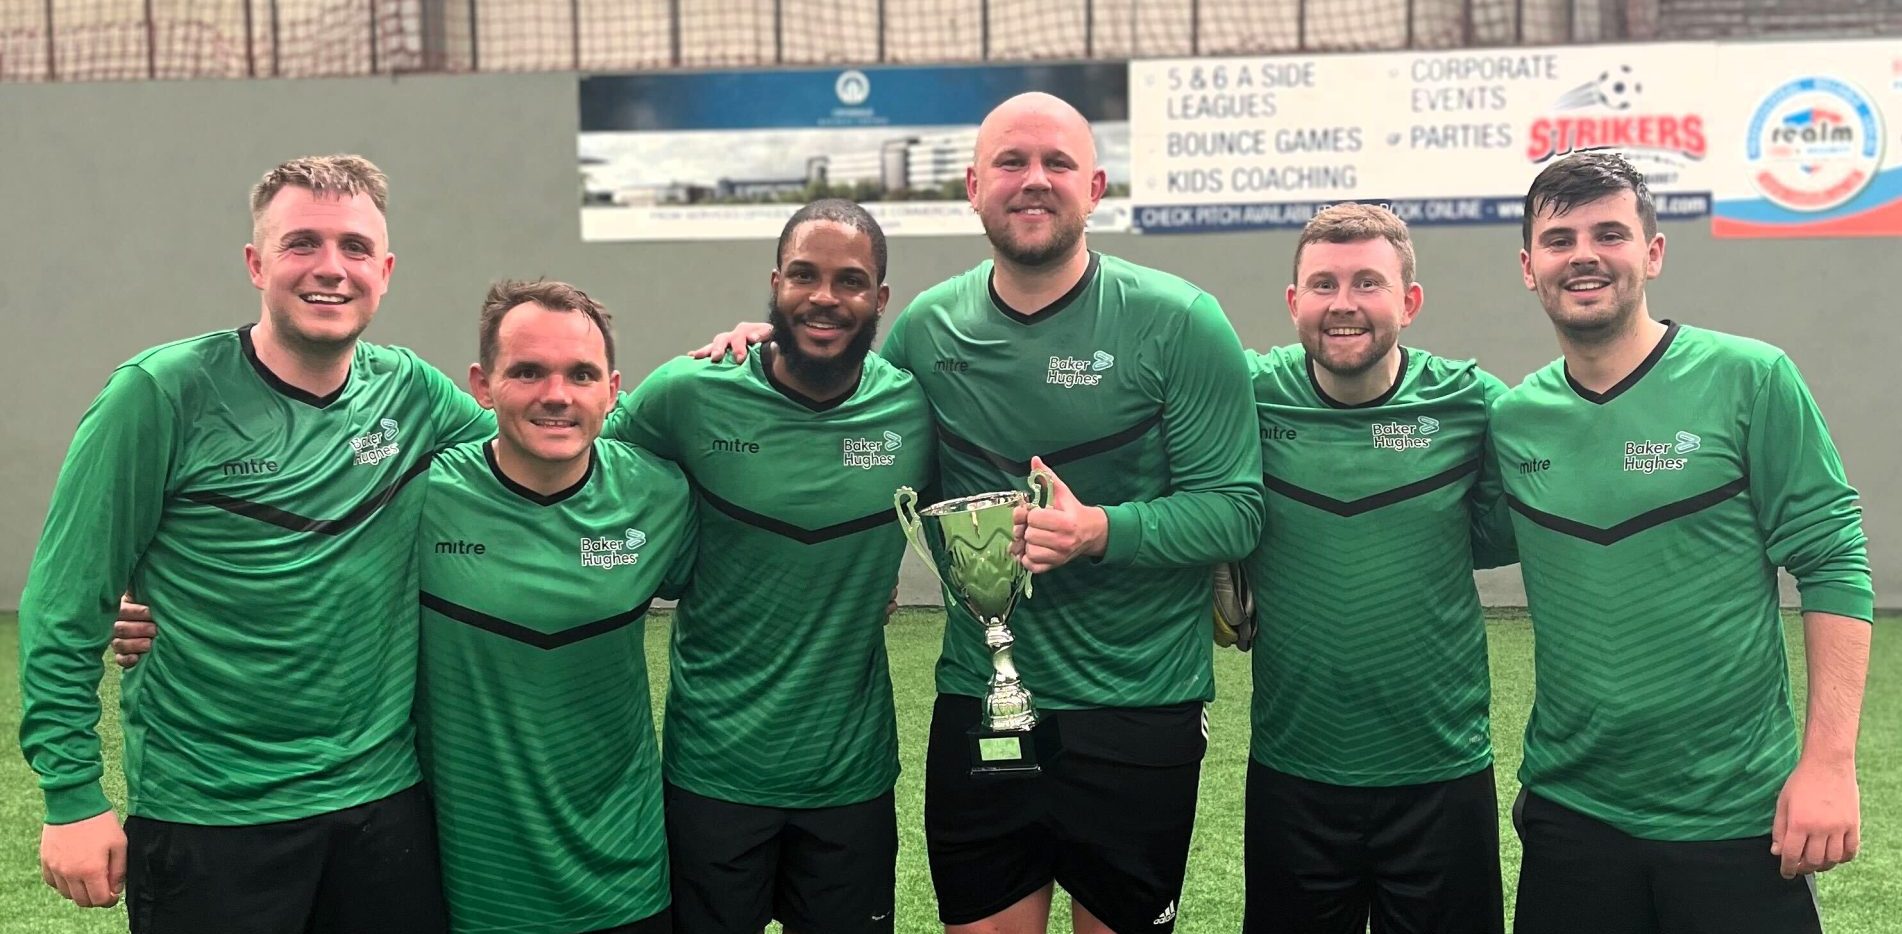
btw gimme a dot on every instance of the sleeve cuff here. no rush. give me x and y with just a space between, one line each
1125 535
1841 599
76 803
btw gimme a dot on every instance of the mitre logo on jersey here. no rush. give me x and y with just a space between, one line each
1071 372
608 552
1405 436
1653 456
866 453
377 446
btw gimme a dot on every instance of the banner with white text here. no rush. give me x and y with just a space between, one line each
722 155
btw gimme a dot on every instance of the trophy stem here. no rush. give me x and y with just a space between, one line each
1007 704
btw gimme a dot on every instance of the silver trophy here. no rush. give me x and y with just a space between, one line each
986 579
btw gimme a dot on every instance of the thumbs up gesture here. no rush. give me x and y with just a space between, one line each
1053 536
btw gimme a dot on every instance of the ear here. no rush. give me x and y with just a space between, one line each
1410 305
479 386
254 264
970 185
1099 183
1654 257
389 267
614 384
884 296
1291 291
772 279
1525 271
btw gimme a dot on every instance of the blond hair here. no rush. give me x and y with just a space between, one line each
341 176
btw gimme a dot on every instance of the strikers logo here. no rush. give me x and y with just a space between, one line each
1664 139
1813 144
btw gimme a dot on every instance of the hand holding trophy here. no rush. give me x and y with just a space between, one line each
983 575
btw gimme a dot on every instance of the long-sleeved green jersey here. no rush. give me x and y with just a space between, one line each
1134 389
1651 520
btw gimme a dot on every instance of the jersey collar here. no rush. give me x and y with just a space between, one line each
550 499
816 405
1048 311
277 384
1399 377
1631 379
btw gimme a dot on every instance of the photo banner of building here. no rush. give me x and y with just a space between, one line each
729 155
1810 140
1442 138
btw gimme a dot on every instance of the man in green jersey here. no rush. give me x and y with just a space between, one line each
247 483
1130 383
1659 474
1370 787
540 553
781 738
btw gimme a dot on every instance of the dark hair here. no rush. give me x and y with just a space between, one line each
840 211
554 296
1584 177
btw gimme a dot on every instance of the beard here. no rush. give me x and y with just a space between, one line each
1065 232
1380 343
826 372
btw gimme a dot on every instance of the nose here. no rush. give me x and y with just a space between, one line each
822 295
557 392
1036 177
329 264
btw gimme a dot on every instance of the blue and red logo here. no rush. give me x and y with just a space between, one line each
1813 144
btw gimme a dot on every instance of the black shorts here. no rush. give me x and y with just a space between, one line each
369 869
737 866
1324 858
1580 874
662 923
1109 818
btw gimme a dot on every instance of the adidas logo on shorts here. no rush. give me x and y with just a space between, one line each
1168 914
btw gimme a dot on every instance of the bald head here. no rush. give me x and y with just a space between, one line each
1034 114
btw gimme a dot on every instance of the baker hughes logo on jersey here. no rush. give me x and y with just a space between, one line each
377 446
1653 456
1071 372
1405 436
866 453
608 552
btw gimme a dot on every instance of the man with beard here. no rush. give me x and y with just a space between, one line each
1659 474
781 737
246 482
532 710
1370 787
1133 383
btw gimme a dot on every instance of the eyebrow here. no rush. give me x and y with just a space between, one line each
290 235
803 264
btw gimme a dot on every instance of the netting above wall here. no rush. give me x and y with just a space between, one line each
91 40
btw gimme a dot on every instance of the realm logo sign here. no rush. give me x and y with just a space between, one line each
608 552
375 447
1813 144
1667 142
1653 456
866 453
1071 372
1403 436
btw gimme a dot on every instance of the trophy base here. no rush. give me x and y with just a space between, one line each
1003 753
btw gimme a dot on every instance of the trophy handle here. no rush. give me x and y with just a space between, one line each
1039 499
906 502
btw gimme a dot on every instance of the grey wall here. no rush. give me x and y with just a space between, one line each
125 219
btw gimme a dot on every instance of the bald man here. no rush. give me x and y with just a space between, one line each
1129 386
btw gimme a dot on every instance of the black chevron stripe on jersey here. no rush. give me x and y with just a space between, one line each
519 633
1369 503
297 523
794 532
1075 452
1635 524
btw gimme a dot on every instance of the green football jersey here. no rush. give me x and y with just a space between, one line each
271 533
1651 520
1370 660
1133 387
780 694
532 713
